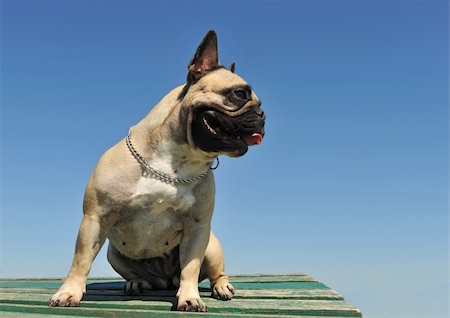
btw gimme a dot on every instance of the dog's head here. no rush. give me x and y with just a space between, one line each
224 114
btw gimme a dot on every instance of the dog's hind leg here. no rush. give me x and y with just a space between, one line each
213 267
145 274
135 285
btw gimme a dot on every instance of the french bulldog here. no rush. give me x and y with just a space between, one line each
152 194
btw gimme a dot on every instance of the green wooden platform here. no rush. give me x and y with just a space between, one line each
263 296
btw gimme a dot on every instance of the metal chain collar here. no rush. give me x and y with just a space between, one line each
161 176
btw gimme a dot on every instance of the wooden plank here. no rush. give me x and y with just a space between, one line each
23 311
137 309
272 278
31 283
296 295
19 314
278 285
20 310
99 279
243 306
55 284
318 294
237 285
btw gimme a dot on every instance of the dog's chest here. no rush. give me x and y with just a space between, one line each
154 221
157 196
154 217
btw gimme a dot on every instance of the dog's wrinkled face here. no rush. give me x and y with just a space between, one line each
225 114
227 118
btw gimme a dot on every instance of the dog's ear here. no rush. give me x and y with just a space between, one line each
205 59
232 67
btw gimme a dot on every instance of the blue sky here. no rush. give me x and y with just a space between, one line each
350 184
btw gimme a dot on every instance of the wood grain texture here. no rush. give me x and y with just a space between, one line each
290 295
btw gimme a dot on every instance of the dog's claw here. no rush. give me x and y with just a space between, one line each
223 290
194 304
67 297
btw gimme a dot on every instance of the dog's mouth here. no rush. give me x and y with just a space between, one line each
211 123
214 131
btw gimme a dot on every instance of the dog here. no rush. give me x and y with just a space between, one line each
152 194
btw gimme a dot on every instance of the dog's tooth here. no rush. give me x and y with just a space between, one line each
211 130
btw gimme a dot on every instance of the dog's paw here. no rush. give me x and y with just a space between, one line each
67 296
191 304
222 290
189 300
136 286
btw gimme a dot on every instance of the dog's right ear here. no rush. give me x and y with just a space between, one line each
205 59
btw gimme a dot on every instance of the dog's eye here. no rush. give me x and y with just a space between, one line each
241 93
238 96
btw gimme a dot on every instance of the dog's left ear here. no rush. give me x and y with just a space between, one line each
205 59
232 67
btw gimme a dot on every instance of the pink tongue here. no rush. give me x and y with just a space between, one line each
254 139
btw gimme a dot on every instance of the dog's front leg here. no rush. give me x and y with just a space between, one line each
89 241
192 250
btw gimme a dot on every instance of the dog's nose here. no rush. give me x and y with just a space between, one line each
260 112
263 114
